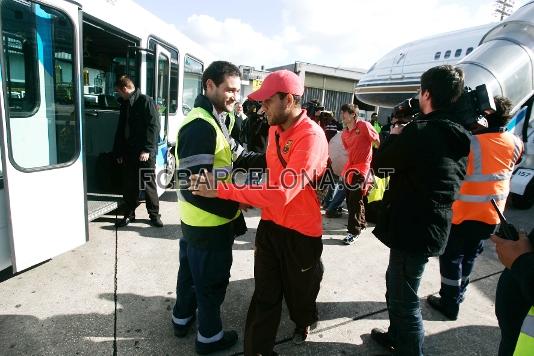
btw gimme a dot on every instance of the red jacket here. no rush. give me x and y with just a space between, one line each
359 145
293 205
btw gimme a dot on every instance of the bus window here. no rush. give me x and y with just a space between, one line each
105 55
19 40
192 82
150 72
42 125
173 107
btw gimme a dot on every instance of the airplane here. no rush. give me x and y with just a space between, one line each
499 55
395 77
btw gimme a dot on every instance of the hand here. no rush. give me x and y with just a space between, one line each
508 251
244 206
143 157
397 129
120 160
203 185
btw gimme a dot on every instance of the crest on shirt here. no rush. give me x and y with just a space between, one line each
357 131
287 146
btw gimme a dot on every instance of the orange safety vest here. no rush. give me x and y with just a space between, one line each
490 166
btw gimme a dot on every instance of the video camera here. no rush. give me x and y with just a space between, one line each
251 107
312 107
465 111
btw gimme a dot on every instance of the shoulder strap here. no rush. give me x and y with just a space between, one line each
280 157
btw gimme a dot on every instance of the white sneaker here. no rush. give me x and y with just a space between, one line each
350 238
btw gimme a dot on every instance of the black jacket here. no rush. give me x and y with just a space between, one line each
429 158
144 125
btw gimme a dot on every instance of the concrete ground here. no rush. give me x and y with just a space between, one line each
115 294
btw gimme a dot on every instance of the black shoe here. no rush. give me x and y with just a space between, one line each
125 221
182 330
333 214
156 221
383 338
228 340
300 335
451 312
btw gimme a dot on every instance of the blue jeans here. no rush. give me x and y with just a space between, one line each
402 281
337 199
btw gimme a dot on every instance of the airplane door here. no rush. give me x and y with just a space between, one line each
41 131
161 97
397 66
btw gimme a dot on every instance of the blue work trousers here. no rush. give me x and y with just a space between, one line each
465 243
202 280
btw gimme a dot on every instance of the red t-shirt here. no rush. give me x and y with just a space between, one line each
359 145
294 204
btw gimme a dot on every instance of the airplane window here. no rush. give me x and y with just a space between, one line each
469 50
458 52
437 55
447 54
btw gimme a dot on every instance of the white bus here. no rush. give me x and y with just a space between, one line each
59 114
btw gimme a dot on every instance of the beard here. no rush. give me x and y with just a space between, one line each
219 102
278 118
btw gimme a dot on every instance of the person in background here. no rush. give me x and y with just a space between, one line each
375 123
136 142
255 128
358 138
239 117
330 125
494 153
338 157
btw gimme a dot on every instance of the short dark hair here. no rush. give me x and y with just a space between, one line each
124 82
374 115
350 108
445 84
502 115
217 71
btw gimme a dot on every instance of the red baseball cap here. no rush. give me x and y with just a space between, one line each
281 81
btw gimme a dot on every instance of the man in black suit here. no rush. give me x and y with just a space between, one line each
136 142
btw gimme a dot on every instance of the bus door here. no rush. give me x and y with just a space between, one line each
161 97
43 174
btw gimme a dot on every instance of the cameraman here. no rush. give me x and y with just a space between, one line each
314 110
255 128
494 153
428 158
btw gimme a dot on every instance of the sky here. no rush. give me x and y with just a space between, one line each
337 33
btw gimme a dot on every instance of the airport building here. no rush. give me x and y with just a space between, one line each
332 86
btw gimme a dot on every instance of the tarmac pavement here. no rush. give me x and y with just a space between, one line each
115 295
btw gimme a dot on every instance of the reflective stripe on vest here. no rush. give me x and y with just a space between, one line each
525 342
490 165
222 167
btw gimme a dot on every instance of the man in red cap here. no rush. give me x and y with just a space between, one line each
288 240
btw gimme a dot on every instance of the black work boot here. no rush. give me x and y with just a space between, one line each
451 312
228 340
